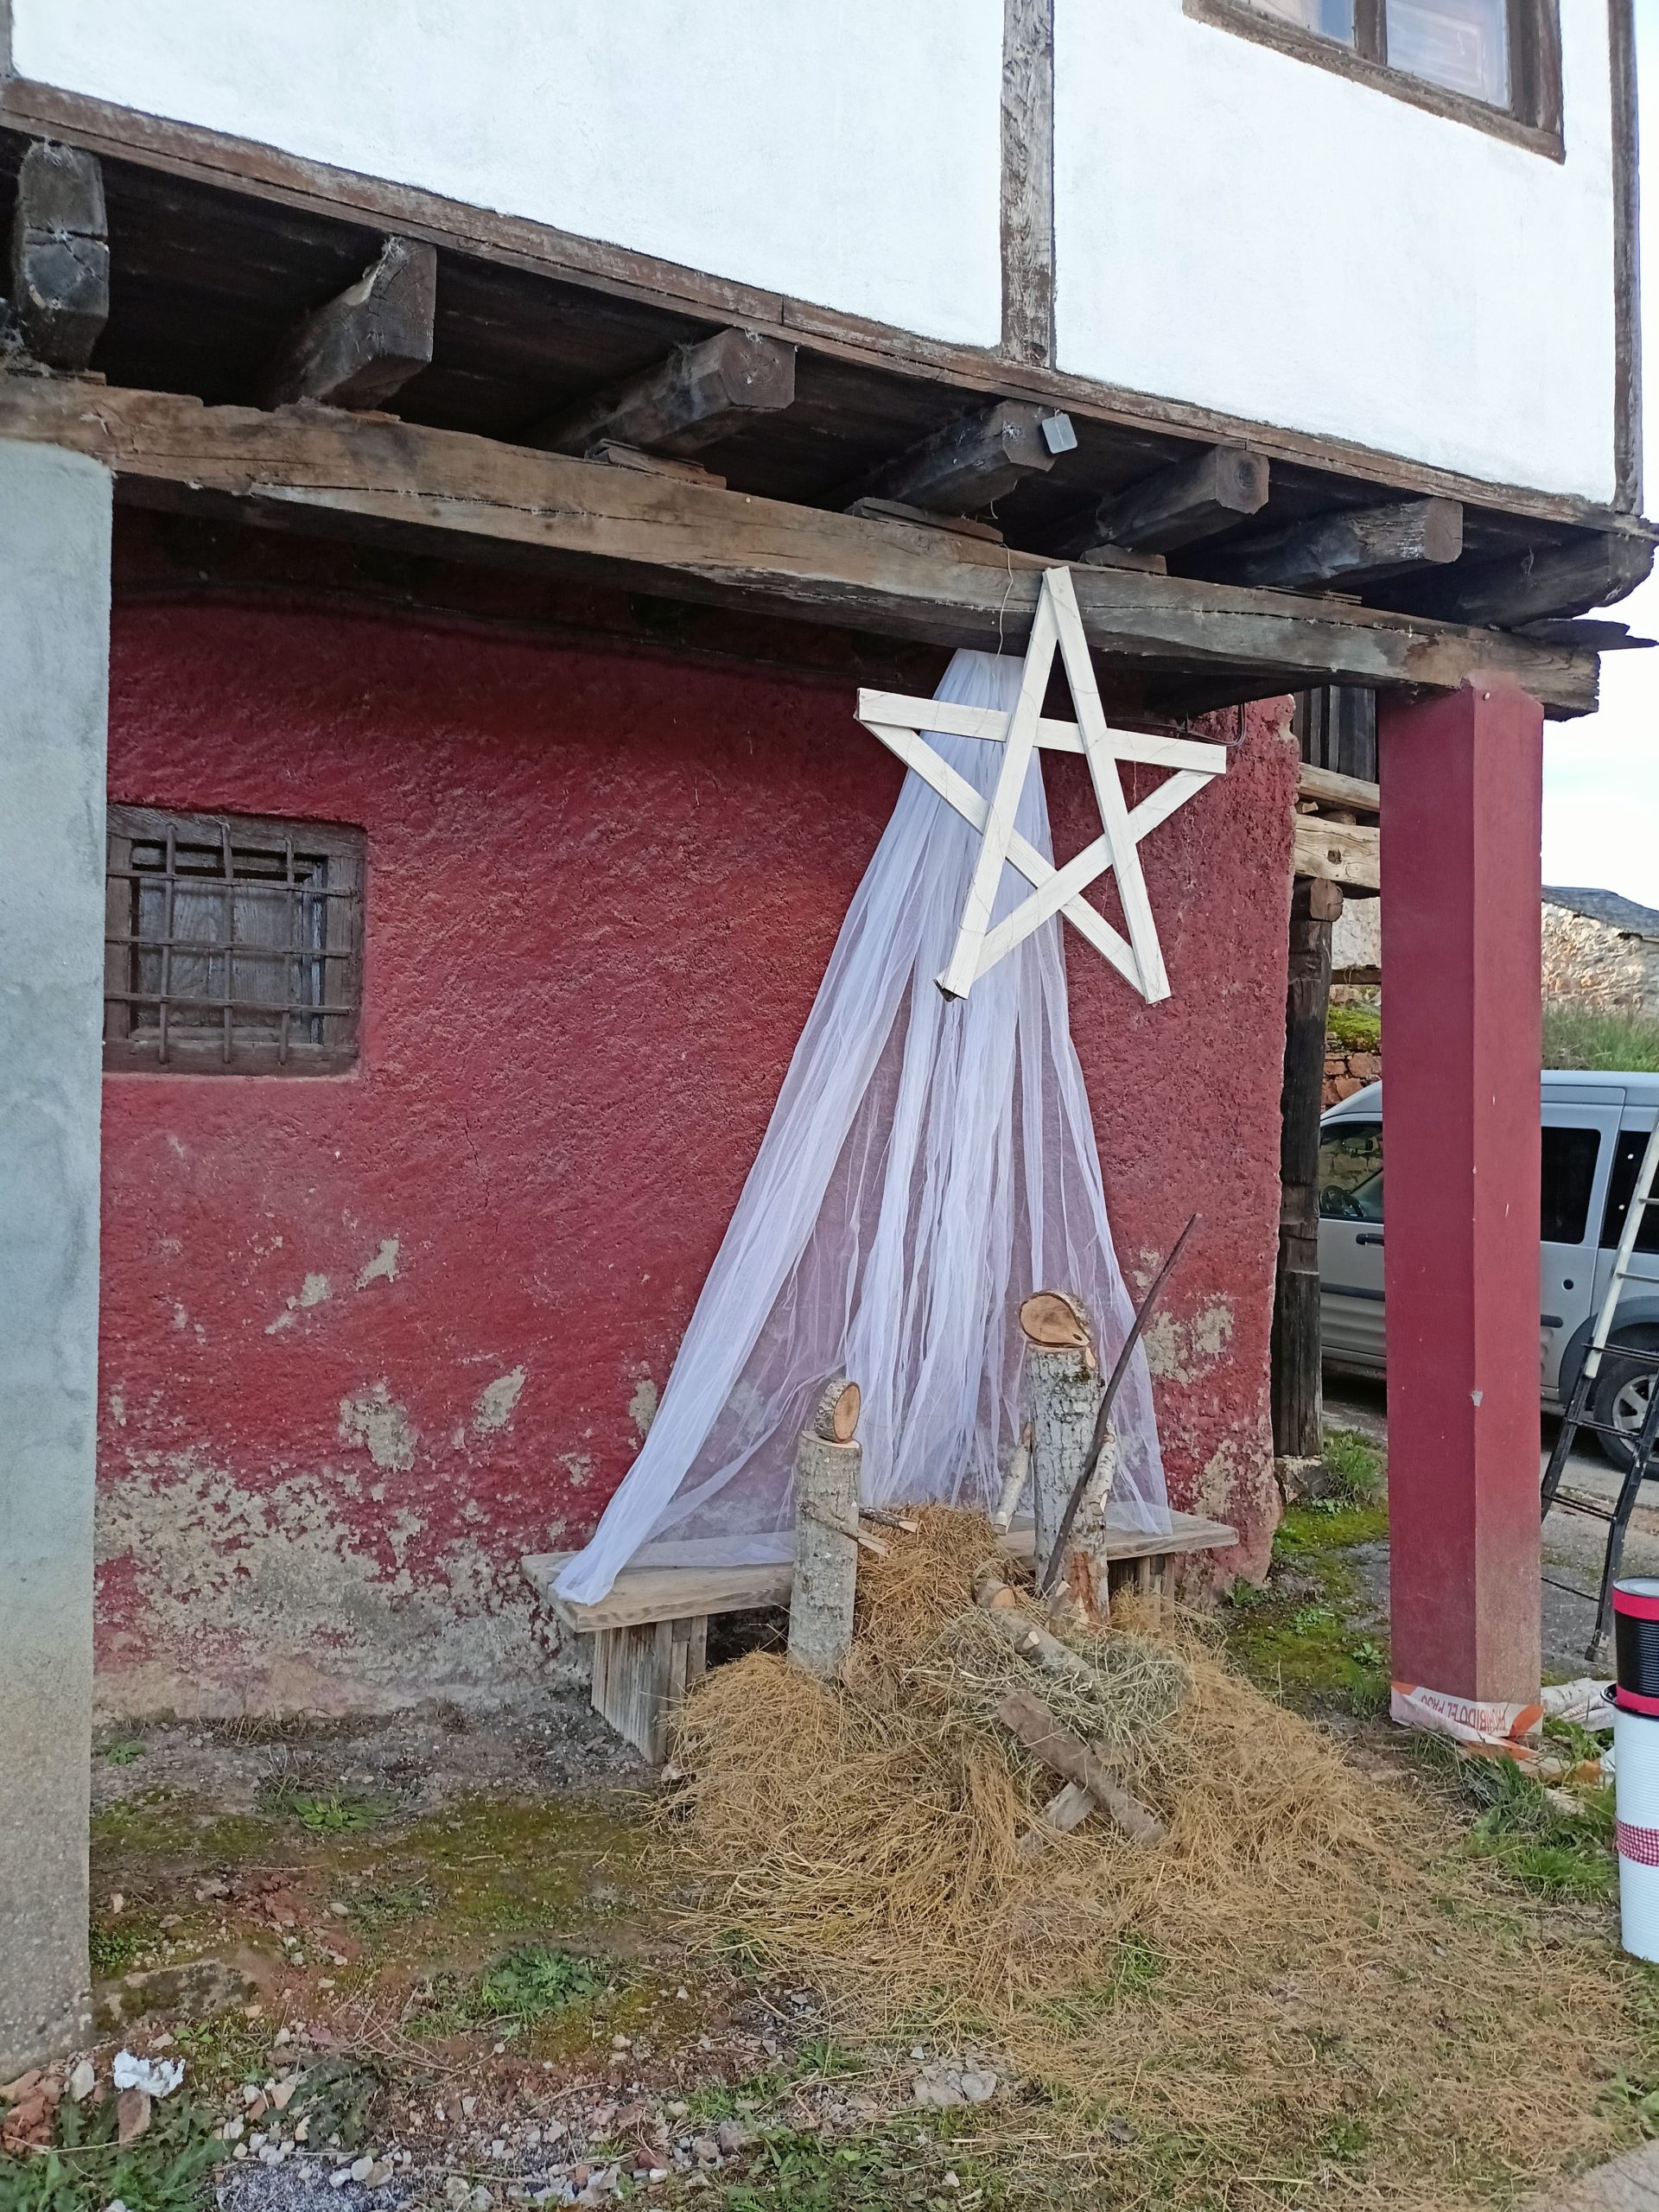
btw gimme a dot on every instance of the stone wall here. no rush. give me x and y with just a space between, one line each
1596 965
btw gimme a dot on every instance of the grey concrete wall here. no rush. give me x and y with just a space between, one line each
55 625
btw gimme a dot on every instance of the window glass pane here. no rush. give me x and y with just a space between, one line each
1351 1172
1462 44
1626 1160
1569 1171
1330 18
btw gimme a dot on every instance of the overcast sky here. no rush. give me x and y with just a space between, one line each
1601 776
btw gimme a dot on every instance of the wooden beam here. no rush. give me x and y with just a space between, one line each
1177 505
699 394
60 255
1345 853
964 467
1028 180
366 343
1295 1369
1325 786
1540 586
450 492
1354 546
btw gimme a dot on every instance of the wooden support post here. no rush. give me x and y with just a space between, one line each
1352 547
640 1674
1178 506
367 342
1297 1405
827 1464
1461 799
964 467
60 255
699 394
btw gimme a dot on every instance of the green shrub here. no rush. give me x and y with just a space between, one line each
1354 1029
1581 1037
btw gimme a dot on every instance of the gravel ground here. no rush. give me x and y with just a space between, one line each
1572 1542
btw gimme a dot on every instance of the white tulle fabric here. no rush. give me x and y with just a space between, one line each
928 1164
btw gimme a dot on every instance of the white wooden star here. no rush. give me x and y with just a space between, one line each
900 723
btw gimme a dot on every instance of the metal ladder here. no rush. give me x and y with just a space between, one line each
1618 1521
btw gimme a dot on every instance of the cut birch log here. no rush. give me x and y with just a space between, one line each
827 1535
1023 1635
1028 1719
1014 1487
1063 1388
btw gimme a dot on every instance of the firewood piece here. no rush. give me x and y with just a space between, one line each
1063 1388
1014 1487
368 341
835 1418
1029 1720
701 393
883 1519
1049 1318
1068 1809
60 255
1018 1630
827 1542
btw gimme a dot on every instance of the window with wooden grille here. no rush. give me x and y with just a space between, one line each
1482 59
233 946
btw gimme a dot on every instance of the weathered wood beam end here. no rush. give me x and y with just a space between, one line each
60 255
1553 583
699 394
366 343
1177 506
976 460
1354 546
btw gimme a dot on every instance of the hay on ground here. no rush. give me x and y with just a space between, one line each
1308 1979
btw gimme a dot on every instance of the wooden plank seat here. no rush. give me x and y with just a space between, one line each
652 1630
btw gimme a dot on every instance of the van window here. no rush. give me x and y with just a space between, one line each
1351 1172
1569 1173
1627 1158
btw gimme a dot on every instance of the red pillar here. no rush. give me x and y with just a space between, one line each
1461 779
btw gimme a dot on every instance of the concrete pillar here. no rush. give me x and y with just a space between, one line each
55 632
1462 779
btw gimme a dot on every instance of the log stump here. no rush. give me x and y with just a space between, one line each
827 1466
1064 1388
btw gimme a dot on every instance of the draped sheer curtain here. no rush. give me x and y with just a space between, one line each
928 1164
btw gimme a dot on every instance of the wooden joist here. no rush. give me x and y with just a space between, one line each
699 394
60 255
1351 795
969 463
1178 506
1534 587
1344 853
367 342
1354 546
449 492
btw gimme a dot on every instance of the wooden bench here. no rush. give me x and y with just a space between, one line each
651 1633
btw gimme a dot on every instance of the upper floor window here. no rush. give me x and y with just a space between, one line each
1496 61
233 945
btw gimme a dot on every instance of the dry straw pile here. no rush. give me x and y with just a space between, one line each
1307 1987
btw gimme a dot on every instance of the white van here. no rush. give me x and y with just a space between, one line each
1595 1128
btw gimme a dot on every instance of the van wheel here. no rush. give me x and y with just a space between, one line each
1621 1394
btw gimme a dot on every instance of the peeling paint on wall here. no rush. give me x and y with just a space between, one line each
313 1291
383 1268
1181 1351
496 1402
642 1406
382 1429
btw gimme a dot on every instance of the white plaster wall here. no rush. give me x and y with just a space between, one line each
1240 229
846 151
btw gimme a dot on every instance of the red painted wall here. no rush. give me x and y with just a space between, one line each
367 1338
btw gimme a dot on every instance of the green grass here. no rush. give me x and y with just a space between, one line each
1354 1029
534 1983
326 1812
1524 1832
1301 1643
1580 1037
891 2169
124 1752
1354 1465
118 1940
168 2170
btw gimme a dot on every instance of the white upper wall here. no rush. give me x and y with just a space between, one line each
1235 227
847 151
1251 232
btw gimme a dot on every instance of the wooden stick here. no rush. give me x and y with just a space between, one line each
1018 1629
1014 1489
1029 1720
883 1519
